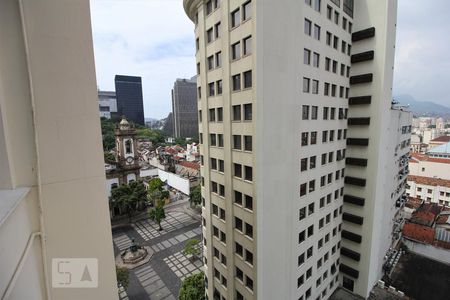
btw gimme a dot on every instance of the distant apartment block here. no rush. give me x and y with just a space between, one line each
129 98
107 104
303 156
184 107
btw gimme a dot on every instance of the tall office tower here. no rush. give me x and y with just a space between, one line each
275 81
184 107
53 204
129 98
107 104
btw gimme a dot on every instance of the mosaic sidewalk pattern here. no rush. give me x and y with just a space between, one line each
148 229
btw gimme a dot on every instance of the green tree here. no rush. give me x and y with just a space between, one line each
193 288
180 141
191 248
109 140
155 184
157 213
155 136
122 277
109 157
129 197
195 197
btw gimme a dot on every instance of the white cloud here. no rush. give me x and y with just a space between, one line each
149 38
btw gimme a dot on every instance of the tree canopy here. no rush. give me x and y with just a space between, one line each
193 288
195 197
122 277
157 213
191 248
129 196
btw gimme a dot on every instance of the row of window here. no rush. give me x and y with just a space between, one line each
219 234
243 172
327 112
243 200
245 254
332 66
212 61
238 84
245 10
217 164
238 145
213 33
213 112
317 4
307 295
220 257
335 17
309 187
236 52
218 188
308 210
314 88
243 227
218 212
314 30
221 278
244 279
239 111
305 141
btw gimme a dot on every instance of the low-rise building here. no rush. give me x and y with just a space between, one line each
434 190
425 165
441 140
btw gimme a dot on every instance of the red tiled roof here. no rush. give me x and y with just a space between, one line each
423 157
190 164
419 232
426 214
413 202
442 139
429 181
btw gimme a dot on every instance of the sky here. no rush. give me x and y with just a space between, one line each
154 39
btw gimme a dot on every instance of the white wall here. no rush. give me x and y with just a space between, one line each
431 169
175 181
148 172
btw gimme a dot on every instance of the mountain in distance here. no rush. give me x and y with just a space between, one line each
423 108
151 120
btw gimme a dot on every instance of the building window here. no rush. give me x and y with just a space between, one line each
247 11
209 35
329 36
317 32
303 164
235 18
217 30
247 79
236 51
315 86
313 137
306 56
248 173
312 162
307 27
210 62
316 58
236 79
211 89
304 138
248 112
220 114
314 113
208 7
248 143
305 112
306 85
218 59
247 45
317 5
302 189
212 115
220 136
219 87
236 112
237 142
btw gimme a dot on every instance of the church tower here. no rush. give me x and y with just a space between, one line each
126 151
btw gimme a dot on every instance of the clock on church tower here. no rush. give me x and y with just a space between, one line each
126 145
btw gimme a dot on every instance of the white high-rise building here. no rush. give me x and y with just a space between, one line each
303 155
55 230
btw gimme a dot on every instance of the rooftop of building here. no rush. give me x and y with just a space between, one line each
444 148
421 278
426 214
429 181
413 203
441 139
419 233
416 157
190 164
